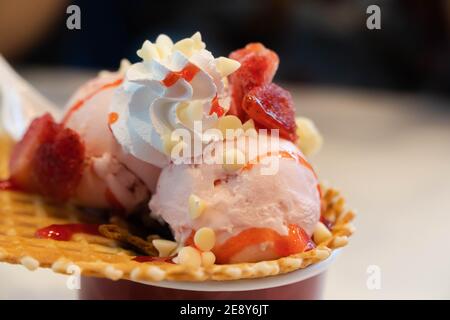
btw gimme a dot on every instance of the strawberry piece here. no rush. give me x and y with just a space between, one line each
48 160
41 130
272 107
258 66
296 241
58 165
300 241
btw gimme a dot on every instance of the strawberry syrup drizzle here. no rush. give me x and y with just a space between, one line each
300 160
64 232
281 154
152 259
8 185
187 73
285 155
77 105
216 107
112 118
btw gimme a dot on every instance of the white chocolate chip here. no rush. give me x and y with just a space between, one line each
30 263
208 258
188 113
226 66
249 124
226 123
249 128
169 142
205 239
164 45
196 206
164 247
321 233
198 43
186 46
148 51
309 139
189 256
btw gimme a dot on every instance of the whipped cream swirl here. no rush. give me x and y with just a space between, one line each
175 85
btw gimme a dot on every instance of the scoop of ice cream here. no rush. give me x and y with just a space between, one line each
176 85
118 178
258 210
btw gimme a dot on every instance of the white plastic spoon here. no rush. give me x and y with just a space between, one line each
20 103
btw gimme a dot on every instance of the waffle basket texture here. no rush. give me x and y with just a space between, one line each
22 214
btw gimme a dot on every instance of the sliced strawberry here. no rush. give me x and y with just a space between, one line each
48 160
300 242
272 107
41 130
258 66
296 241
58 165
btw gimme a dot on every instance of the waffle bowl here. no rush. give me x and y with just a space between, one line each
22 214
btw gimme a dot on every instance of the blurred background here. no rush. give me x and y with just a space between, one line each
319 41
379 97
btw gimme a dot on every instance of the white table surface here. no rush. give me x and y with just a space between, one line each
389 154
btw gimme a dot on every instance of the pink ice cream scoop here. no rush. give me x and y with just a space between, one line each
79 158
265 209
113 173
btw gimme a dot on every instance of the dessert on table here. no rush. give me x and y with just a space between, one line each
182 166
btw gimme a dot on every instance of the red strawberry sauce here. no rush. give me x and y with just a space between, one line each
64 232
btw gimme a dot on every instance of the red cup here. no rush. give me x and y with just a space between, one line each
103 289
304 284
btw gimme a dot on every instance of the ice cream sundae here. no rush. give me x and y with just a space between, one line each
208 148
